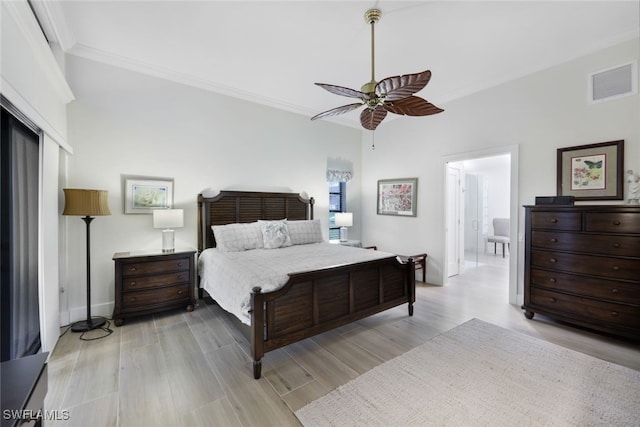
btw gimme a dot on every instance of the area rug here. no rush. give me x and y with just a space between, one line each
479 374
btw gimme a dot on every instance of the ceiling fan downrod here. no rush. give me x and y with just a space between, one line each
372 16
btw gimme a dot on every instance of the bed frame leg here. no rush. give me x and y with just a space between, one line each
257 369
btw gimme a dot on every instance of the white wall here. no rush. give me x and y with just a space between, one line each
540 113
128 123
33 82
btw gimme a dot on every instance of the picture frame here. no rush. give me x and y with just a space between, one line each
144 194
398 197
591 172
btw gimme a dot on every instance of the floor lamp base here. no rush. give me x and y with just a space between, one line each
87 325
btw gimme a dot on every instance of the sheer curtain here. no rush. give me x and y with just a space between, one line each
20 239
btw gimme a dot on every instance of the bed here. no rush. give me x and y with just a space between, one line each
311 300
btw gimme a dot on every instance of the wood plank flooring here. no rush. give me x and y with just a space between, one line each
193 369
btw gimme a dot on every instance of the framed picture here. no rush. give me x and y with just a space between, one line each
144 194
398 196
591 172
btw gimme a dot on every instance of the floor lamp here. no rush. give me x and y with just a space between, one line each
86 203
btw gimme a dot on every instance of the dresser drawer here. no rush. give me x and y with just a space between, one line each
615 268
145 282
569 221
155 267
588 309
134 300
615 222
610 290
594 243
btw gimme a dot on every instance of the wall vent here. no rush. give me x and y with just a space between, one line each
613 83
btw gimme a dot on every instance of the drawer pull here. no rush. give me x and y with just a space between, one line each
616 268
614 314
615 290
616 245
180 292
554 240
552 300
132 269
553 260
552 280
616 222
554 220
179 264
179 277
132 284
132 299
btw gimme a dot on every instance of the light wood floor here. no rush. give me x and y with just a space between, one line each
192 369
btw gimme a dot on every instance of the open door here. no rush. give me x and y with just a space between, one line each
453 219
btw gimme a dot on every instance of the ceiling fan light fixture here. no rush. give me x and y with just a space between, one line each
393 94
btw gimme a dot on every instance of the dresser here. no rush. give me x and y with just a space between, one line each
149 282
582 266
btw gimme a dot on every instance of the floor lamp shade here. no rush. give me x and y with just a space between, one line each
87 203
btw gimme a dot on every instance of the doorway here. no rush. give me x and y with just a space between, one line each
487 190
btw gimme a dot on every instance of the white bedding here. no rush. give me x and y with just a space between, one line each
228 277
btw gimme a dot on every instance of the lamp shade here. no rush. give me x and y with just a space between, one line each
344 219
168 218
86 202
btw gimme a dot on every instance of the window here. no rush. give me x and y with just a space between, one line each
337 203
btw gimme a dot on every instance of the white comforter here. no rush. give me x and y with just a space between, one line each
228 277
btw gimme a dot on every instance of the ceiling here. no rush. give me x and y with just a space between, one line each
271 52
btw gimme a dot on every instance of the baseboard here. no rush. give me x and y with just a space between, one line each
80 313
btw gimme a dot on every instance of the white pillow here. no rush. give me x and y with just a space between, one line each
305 231
275 234
238 236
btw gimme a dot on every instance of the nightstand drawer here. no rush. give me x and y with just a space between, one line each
144 282
613 223
155 267
146 298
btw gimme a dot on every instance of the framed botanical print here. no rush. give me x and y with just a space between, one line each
398 196
591 172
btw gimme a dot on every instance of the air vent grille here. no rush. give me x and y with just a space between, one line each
613 83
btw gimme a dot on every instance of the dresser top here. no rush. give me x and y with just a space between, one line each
153 252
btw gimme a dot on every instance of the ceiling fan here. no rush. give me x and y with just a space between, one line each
393 94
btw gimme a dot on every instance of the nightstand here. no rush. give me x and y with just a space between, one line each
149 282
354 243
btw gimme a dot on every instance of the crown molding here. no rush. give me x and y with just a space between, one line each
54 24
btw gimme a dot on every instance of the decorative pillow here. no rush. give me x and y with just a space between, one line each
238 237
305 231
275 234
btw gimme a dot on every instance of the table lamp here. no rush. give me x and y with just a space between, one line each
168 219
344 220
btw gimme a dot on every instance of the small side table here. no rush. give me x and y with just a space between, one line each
354 243
148 282
421 263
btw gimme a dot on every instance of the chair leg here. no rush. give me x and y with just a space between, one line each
495 248
503 250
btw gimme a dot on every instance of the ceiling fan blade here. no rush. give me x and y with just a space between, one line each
337 111
399 87
412 106
343 91
370 119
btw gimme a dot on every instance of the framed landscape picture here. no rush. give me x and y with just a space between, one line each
143 195
591 172
398 196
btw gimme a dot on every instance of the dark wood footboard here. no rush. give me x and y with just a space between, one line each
317 301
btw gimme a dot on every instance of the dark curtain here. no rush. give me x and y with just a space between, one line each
20 321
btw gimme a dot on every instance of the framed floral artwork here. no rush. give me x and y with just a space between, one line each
144 194
398 196
591 172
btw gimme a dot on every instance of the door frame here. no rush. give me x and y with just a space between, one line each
514 261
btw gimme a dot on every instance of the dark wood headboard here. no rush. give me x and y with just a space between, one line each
229 207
